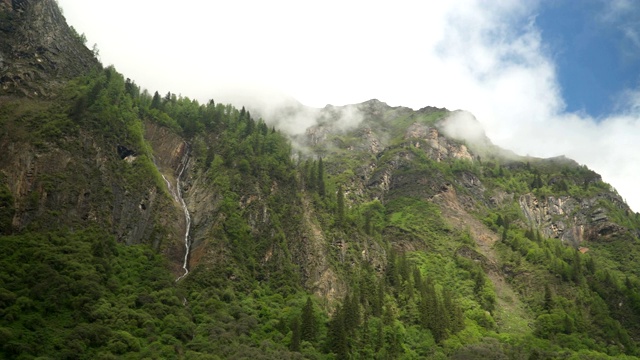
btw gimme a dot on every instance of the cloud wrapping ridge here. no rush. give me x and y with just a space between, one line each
488 58
521 106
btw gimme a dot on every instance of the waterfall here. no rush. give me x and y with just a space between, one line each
187 216
177 196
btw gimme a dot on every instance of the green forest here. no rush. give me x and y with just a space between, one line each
407 283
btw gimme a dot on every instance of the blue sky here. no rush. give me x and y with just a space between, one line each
544 78
596 48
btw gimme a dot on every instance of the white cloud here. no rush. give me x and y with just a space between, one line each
484 57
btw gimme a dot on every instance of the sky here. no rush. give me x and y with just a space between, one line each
545 78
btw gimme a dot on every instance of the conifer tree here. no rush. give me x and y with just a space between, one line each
156 102
379 336
429 305
567 325
340 206
590 265
441 322
320 182
389 316
576 266
529 233
367 224
403 268
456 318
296 335
391 272
548 298
305 173
313 176
479 282
379 299
537 182
351 313
417 280
308 326
337 335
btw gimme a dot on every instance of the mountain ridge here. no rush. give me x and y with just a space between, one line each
361 231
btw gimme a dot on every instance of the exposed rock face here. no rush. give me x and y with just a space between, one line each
169 150
438 147
82 184
317 134
570 220
38 50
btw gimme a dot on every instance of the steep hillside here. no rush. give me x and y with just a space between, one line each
145 226
38 50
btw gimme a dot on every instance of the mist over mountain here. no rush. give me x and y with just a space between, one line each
135 224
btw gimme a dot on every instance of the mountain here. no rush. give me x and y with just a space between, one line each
151 226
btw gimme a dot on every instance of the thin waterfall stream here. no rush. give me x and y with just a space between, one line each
177 196
187 216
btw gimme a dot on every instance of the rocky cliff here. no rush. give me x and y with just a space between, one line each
39 52
571 220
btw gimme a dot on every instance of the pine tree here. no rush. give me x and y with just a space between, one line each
441 324
340 207
548 298
337 335
367 224
417 280
394 342
537 182
389 316
250 126
379 336
479 280
456 318
391 272
435 317
296 335
379 299
308 326
590 265
156 102
320 182
351 313
576 266
305 173
313 176
403 268
365 336
628 284
529 234
567 324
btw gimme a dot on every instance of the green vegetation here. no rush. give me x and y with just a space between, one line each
404 278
